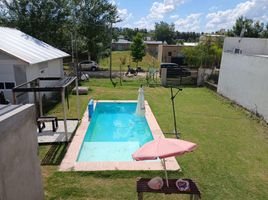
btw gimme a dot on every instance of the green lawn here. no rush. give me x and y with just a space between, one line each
230 162
148 61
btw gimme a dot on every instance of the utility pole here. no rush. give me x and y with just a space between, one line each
111 38
72 45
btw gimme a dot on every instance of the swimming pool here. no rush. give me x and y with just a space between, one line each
114 133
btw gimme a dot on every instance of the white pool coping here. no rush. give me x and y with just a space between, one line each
69 162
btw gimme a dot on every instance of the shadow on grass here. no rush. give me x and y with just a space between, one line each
55 154
118 174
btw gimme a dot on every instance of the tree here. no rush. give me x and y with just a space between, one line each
265 32
165 32
192 56
138 48
206 54
128 33
187 36
94 21
248 28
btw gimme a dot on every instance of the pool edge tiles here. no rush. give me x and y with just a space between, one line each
70 160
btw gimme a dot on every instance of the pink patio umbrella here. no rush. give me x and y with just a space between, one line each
163 148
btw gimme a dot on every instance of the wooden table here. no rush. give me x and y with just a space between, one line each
41 123
142 186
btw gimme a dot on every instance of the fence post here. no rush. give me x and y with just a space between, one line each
164 76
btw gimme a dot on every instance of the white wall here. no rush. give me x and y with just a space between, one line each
244 79
249 46
7 63
20 171
52 68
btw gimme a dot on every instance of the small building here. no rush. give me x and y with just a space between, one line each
24 58
152 47
166 52
121 44
244 72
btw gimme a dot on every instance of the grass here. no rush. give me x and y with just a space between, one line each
148 61
230 162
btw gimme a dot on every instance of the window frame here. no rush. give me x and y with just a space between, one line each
9 88
2 83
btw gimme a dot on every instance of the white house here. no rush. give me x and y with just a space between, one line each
24 58
244 72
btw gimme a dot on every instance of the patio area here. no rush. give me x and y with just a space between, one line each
48 136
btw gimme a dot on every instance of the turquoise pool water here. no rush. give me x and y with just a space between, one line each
114 133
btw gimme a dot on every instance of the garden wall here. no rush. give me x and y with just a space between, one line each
20 171
244 79
190 80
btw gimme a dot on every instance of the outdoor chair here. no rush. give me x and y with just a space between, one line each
193 191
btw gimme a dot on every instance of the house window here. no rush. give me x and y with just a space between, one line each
2 85
9 85
169 53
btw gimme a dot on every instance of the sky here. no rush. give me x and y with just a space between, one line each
189 15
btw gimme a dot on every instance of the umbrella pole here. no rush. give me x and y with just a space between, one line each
164 162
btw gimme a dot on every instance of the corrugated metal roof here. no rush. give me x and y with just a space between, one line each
26 47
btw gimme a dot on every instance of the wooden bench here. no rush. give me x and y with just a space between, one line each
142 186
41 123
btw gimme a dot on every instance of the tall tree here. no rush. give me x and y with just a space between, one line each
165 32
138 48
187 36
247 28
94 21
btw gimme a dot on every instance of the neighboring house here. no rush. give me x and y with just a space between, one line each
244 72
121 44
152 47
168 52
24 58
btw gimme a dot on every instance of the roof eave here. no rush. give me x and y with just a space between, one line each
33 63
